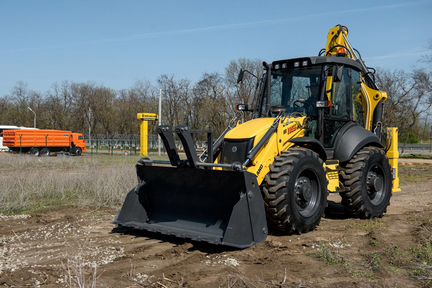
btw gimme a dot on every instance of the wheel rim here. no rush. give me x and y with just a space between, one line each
375 184
307 192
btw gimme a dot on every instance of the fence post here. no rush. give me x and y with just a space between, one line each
135 147
430 140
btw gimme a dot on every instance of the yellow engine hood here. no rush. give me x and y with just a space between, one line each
256 128
253 128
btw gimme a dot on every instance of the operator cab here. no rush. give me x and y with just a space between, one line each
299 87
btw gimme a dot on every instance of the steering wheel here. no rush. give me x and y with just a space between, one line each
299 101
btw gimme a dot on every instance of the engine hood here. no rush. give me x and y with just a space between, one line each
253 128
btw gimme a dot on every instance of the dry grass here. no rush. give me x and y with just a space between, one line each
415 173
77 274
32 184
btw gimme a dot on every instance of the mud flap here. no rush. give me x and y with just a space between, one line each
215 206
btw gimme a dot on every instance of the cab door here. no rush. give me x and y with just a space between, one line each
343 106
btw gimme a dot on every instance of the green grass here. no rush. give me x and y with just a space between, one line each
329 256
374 261
396 256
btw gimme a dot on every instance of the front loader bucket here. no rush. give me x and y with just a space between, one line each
215 206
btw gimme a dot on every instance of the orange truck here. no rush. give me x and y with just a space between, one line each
44 142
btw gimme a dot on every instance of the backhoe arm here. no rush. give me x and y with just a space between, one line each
372 98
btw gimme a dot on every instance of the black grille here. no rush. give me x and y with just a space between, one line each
235 151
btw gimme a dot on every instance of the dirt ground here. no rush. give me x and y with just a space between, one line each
77 248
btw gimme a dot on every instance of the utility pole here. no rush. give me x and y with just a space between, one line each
34 118
89 128
160 120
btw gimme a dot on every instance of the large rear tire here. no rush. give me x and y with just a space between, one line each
295 191
367 181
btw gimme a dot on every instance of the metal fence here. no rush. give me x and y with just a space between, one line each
130 144
406 148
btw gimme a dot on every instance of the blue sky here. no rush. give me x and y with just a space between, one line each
116 43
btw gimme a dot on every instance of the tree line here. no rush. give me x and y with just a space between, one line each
207 104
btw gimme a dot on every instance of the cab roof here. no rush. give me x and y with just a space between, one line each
315 61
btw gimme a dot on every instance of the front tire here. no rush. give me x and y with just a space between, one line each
367 181
295 191
78 151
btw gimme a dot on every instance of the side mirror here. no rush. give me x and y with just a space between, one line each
242 108
240 76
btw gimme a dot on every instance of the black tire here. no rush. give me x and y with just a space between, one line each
295 191
34 152
367 182
44 152
77 151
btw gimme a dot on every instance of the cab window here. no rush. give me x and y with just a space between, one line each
343 108
358 101
341 102
297 90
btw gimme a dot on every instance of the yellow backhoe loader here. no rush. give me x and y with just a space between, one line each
316 128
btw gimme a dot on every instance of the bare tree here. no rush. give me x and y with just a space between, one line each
410 96
209 106
176 99
244 92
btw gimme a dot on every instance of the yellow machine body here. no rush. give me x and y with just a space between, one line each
278 167
289 128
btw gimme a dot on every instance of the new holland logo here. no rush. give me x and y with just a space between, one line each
292 129
234 149
259 169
